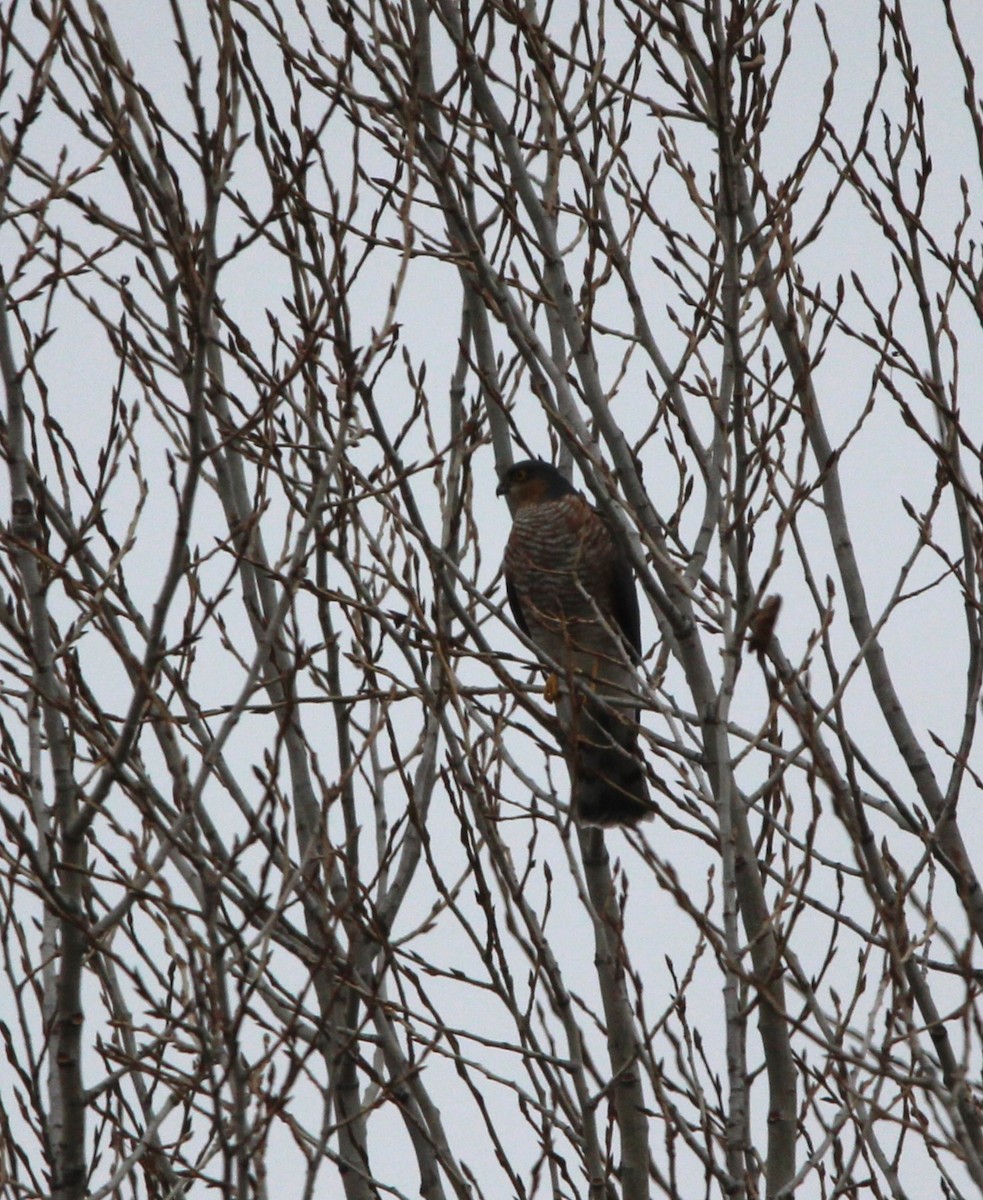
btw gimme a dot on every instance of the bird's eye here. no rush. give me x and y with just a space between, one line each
520 475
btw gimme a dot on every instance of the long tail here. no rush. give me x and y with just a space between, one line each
609 785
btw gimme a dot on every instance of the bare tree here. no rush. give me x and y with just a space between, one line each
292 897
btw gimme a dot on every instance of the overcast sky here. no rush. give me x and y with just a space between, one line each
925 639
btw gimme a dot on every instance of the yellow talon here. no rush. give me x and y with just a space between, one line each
552 689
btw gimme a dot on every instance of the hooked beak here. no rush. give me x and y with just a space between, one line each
502 489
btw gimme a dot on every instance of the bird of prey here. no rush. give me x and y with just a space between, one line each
572 593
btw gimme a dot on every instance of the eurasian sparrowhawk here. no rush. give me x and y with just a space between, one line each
572 592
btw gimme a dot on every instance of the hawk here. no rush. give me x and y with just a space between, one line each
572 593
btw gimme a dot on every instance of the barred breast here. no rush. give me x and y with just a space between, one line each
559 561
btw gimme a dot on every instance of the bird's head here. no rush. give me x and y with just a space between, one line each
532 482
